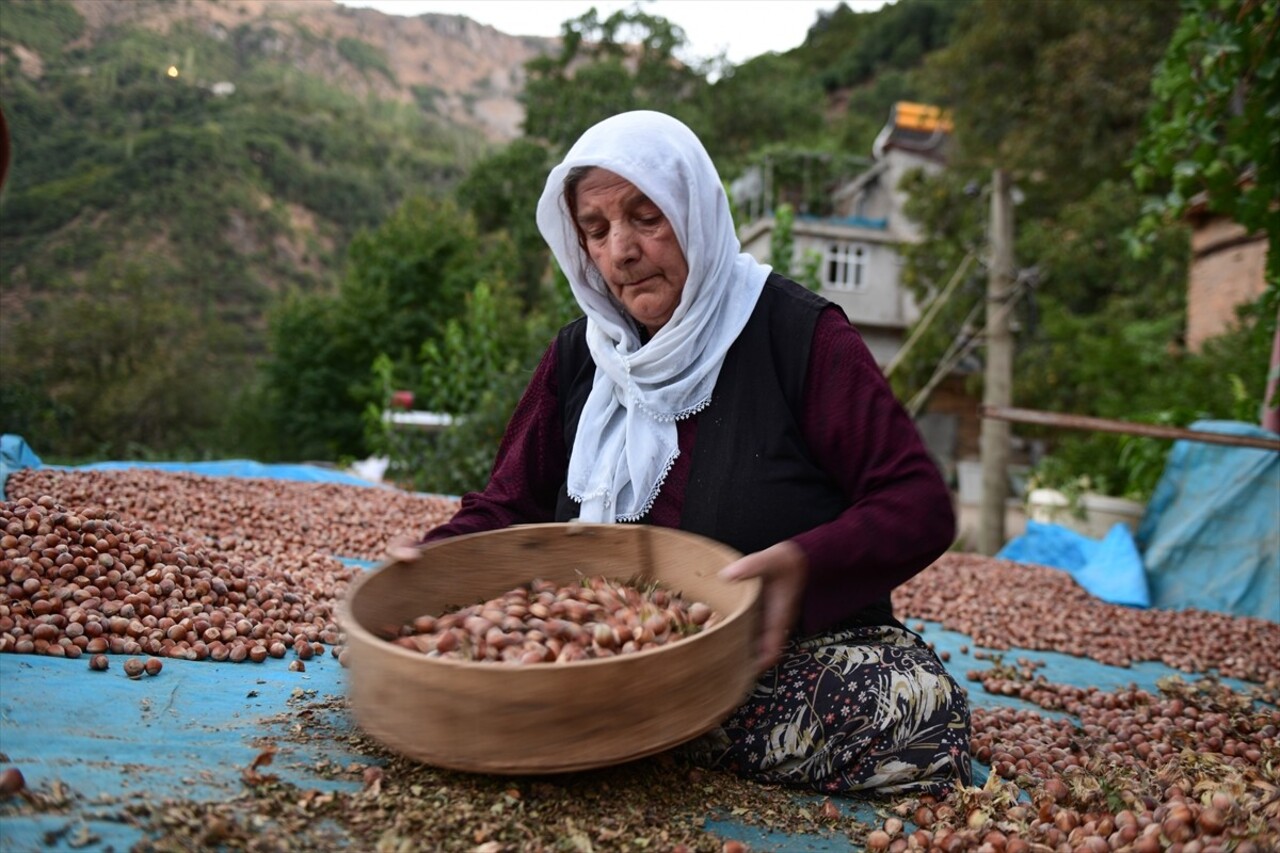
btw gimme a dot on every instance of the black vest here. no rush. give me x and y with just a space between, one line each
752 481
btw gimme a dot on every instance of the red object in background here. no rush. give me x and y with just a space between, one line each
1271 400
402 399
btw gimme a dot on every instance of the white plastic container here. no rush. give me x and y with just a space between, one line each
1094 517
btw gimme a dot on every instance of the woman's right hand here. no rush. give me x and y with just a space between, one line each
782 570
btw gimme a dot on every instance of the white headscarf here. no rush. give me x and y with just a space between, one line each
626 438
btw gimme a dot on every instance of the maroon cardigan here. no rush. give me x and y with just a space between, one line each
900 516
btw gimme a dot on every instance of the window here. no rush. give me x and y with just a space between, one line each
846 266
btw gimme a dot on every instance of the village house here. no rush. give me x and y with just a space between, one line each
856 246
858 241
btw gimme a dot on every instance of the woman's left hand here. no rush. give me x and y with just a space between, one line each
404 549
783 570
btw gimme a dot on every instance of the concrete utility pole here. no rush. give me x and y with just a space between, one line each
998 378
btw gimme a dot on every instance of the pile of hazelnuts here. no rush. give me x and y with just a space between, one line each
85 581
543 622
1001 604
1189 770
1192 768
145 562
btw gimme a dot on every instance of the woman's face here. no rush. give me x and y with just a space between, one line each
632 245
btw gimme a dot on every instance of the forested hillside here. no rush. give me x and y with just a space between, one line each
191 270
180 168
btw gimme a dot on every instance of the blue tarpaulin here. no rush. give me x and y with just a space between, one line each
1211 536
239 468
15 454
1109 568
192 730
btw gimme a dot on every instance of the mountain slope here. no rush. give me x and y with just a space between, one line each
180 166
467 73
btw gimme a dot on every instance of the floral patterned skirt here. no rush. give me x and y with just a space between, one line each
861 709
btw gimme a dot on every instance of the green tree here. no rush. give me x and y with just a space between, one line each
476 371
868 106
626 61
301 401
405 281
1214 128
231 201
502 192
951 210
784 102
44 27
407 277
1055 92
847 48
118 368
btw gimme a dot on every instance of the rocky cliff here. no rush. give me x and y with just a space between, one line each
468 73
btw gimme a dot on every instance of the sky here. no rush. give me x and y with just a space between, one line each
741 28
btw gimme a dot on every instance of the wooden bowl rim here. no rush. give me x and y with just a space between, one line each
352 626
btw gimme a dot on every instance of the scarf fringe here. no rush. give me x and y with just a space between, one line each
665 418
657 487
649 501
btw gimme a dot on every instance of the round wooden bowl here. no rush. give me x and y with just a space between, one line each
548 717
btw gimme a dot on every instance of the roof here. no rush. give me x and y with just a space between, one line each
856 186
919 128
872 224
825 228
921 117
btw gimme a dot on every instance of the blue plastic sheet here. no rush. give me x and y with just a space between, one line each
1110 568
15 454
1211 536
239 468
192 730
189 732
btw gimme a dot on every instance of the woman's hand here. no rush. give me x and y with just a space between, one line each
783 570
404 549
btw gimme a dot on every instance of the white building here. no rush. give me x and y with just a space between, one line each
858 244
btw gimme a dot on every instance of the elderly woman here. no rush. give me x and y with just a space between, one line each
702 392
